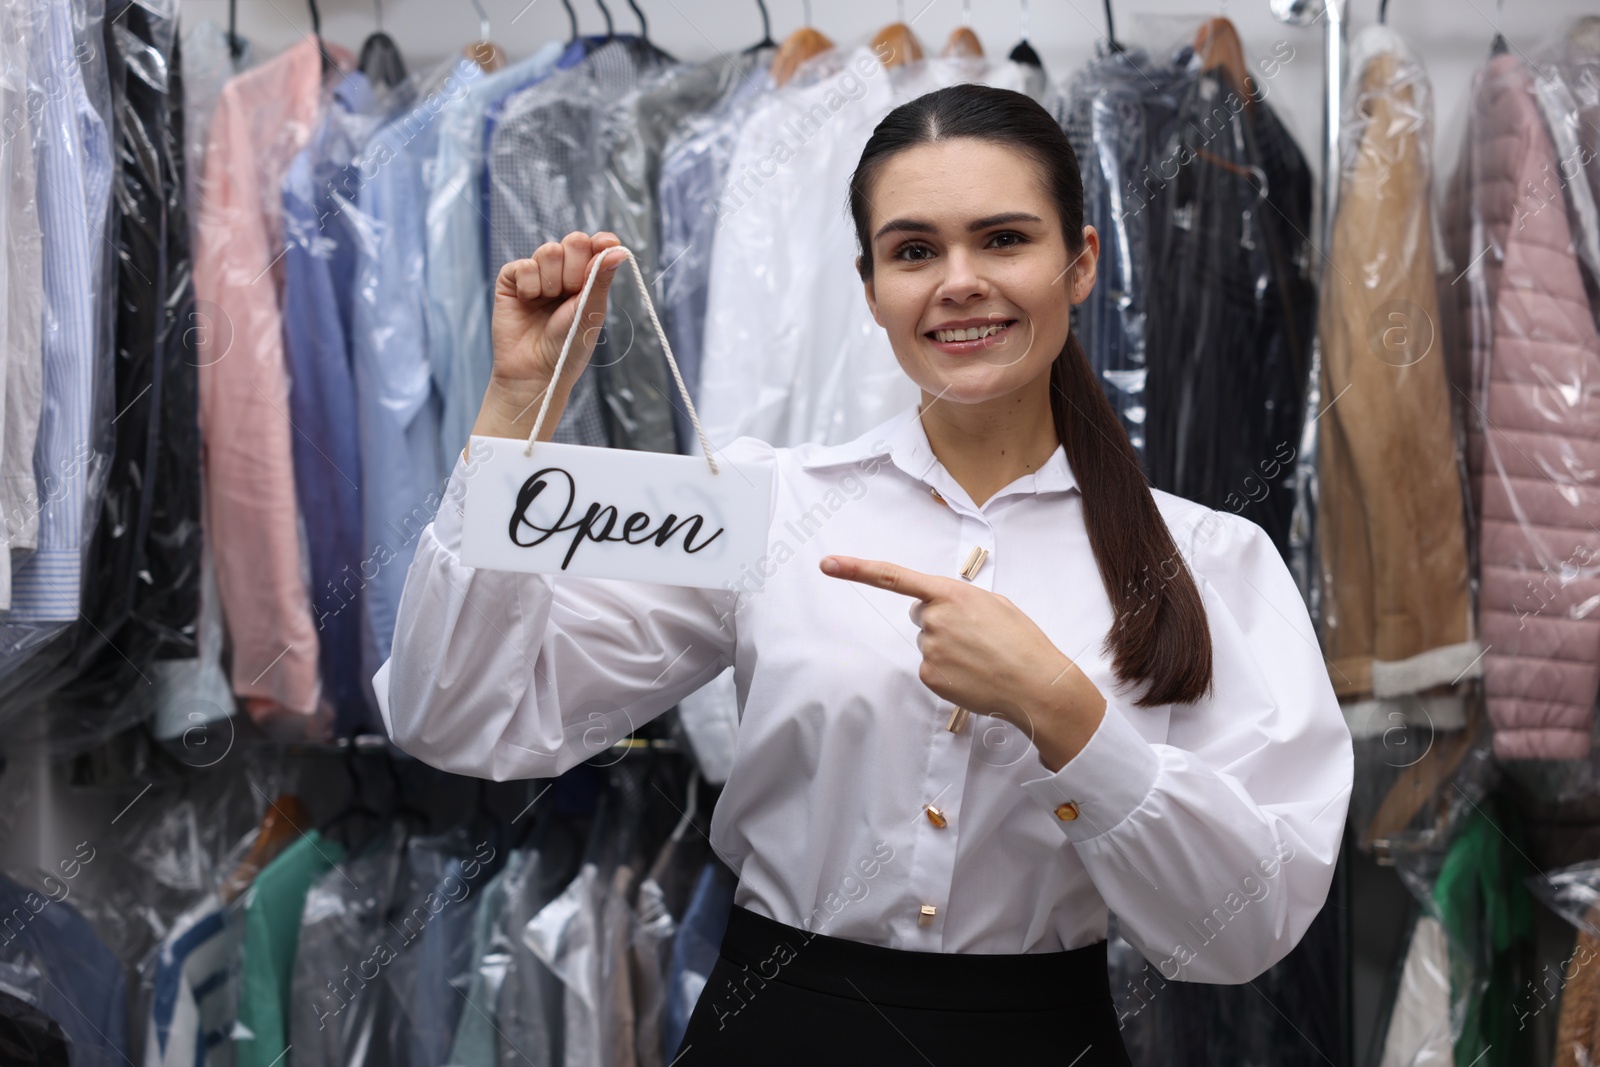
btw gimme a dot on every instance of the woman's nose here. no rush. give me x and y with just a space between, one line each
961 281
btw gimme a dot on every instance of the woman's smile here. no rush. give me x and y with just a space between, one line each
967 336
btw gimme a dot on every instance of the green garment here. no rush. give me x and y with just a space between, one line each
271 935
1483 903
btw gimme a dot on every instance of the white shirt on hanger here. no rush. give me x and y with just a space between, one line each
1211 829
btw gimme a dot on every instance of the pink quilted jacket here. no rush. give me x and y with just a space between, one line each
1534 419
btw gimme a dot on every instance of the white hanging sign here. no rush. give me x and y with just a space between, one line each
542 507
613 513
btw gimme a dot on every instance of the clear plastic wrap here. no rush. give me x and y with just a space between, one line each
1521 364
1476 893
544 166
1574 894
69 108
638 390
1122 111
1231 266
694 166
142 569
1396 607
792 352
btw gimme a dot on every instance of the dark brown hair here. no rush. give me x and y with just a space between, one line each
1159 632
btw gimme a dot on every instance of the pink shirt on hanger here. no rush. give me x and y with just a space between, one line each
264 118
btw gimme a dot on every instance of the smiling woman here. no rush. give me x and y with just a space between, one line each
1005 679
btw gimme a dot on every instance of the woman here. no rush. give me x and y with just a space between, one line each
1148 724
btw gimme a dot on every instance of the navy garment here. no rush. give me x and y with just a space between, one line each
53 955
319 272
695 950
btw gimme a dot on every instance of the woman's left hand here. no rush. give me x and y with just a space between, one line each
980 652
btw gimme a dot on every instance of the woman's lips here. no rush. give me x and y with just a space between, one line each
960 348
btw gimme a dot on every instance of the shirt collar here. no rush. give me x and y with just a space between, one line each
903 439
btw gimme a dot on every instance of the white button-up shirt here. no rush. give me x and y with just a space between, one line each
1210 829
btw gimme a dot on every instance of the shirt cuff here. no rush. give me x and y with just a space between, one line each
1103 784
447 523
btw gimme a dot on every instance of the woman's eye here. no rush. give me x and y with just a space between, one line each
913 251
1008 239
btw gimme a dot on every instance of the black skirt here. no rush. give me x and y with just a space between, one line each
779 995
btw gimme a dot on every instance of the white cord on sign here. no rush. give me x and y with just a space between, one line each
666 347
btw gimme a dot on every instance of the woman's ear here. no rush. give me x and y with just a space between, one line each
872 298
1085 266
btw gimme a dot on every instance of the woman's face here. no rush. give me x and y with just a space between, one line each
972 278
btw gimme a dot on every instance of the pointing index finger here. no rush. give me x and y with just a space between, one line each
884 575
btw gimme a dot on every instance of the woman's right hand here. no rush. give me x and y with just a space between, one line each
535 301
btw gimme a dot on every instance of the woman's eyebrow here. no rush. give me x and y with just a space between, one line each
988 221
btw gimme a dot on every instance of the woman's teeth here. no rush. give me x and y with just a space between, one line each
971 333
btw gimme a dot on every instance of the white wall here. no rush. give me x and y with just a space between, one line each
1453 36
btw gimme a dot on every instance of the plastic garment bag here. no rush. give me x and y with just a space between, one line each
792 352
141 590
694 165
1418 1034
22 296
1397 615
193 692
68 110
1521 366
322 235
338 1013
544 167
1122 110
1573 893
639 391
474 1039
1228 358
1477 891
146 581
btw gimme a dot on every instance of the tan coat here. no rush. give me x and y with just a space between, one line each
1397 610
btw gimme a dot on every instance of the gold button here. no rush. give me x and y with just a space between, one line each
925 915
936 817
939 498
958 719
1067 812
974 563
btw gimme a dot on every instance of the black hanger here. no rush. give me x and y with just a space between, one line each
611 29
357 806
572 20
1111 30
766 30
380 56
1383 11
316 31
235 42
644 36
1024 52
1500 46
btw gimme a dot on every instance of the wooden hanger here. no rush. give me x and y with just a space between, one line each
963 42
1217 46
483 51
798 47
285 820
896 45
